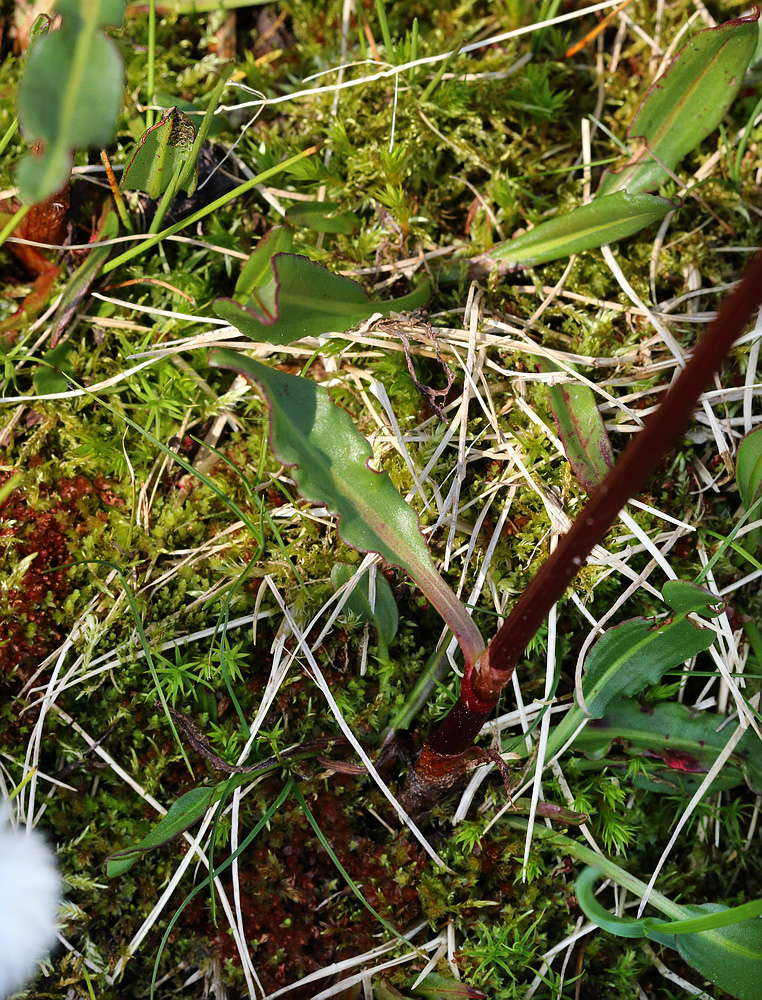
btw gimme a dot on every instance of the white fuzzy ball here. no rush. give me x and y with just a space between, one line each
30 892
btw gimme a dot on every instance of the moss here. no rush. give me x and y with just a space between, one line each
98 492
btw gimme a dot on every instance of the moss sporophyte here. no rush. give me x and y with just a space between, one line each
336 516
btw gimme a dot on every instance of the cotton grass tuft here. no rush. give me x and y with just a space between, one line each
30 891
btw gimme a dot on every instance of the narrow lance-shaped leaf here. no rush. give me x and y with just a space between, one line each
330 459
70 93
678 112
190 807
581 429
638 652
686 103
604 220
181 815
687 742
727 954
305 299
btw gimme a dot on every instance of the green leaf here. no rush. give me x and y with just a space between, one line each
604 220
686 103
308 300
182 814
713 915
258 269
330 459
686 598
730 956
322 217
435 986
581 429
160 154
50 376
69 95
383 616
749 467
687 743
639 652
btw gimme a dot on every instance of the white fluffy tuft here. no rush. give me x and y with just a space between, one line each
29 899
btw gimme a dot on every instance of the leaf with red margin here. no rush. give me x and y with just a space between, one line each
307 300
581 429
685 741
330 461
686 103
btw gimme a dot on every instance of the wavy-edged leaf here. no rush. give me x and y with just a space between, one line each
749 467
308 300
383 615
581 429
70 93
604 220
160 155
728 955
330 460
686 103
688 743
322 217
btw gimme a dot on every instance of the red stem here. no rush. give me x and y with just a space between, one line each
480 689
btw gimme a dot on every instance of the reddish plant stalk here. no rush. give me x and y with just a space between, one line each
440 762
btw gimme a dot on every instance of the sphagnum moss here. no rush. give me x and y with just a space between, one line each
413 199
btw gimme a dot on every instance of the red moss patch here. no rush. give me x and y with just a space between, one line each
298 912
46 530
